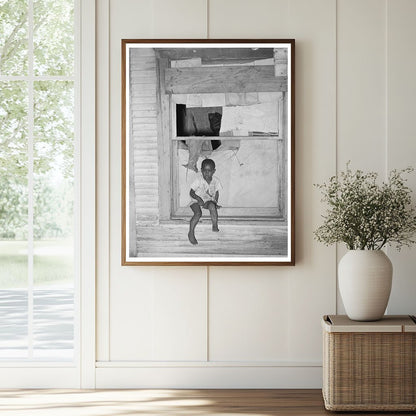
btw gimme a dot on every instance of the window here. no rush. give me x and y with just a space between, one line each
242 134
38 204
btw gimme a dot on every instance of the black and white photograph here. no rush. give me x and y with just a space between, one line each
208 152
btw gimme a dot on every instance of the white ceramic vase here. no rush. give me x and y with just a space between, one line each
364 278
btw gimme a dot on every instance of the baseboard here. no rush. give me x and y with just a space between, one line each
210 377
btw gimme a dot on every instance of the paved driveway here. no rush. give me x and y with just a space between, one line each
53 323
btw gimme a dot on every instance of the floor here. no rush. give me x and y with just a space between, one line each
234 239
165 402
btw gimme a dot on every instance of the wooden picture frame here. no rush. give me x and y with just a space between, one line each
227 101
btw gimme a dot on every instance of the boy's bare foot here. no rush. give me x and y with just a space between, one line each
215 228
191 238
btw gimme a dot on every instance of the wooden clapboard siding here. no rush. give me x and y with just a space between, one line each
223 79
144 130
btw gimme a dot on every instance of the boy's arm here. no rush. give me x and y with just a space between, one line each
217 195
195 196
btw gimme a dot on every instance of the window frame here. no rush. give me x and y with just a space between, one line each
81 371
176 211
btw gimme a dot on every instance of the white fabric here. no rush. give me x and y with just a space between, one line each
206 191
258 117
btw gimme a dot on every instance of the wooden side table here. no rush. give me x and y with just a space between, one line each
369 366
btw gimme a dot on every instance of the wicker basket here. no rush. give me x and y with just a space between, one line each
369 366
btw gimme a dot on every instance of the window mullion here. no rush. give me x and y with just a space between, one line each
30 178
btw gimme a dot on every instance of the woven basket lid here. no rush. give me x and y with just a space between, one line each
389 323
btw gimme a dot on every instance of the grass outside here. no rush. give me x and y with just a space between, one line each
52 263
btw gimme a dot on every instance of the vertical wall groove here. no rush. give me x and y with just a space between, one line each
387 48
336 143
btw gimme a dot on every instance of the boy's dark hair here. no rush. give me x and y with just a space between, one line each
206 162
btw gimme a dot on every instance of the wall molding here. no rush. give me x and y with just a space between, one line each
206 377
204 364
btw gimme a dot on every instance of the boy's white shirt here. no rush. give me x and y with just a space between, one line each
206 191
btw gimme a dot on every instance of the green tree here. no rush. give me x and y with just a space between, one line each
13 37
53 117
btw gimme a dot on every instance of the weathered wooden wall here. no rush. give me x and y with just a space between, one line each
143 127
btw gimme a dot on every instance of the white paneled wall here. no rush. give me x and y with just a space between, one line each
361 88
254 326
401 132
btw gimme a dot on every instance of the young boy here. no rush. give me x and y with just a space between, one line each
204 193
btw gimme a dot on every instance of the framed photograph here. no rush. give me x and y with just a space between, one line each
208 156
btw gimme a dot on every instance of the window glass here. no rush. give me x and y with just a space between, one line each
13 219
37 107
53 194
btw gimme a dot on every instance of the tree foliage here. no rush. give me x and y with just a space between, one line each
52 118
13 37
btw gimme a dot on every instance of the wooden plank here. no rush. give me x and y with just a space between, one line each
146 165
136 53
149 191
223 79
143 169
140 106
283 179
141 159
145 146
280 179
237 212
144 174
142 203
139 82
144 120
143 181
164 143
140 132
143 102
144 135
149 165
145 72
144 155
150 86
180 138
243 240
145 127
280 62
232 231
216 55
144 106
144 112
146 187
139 95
